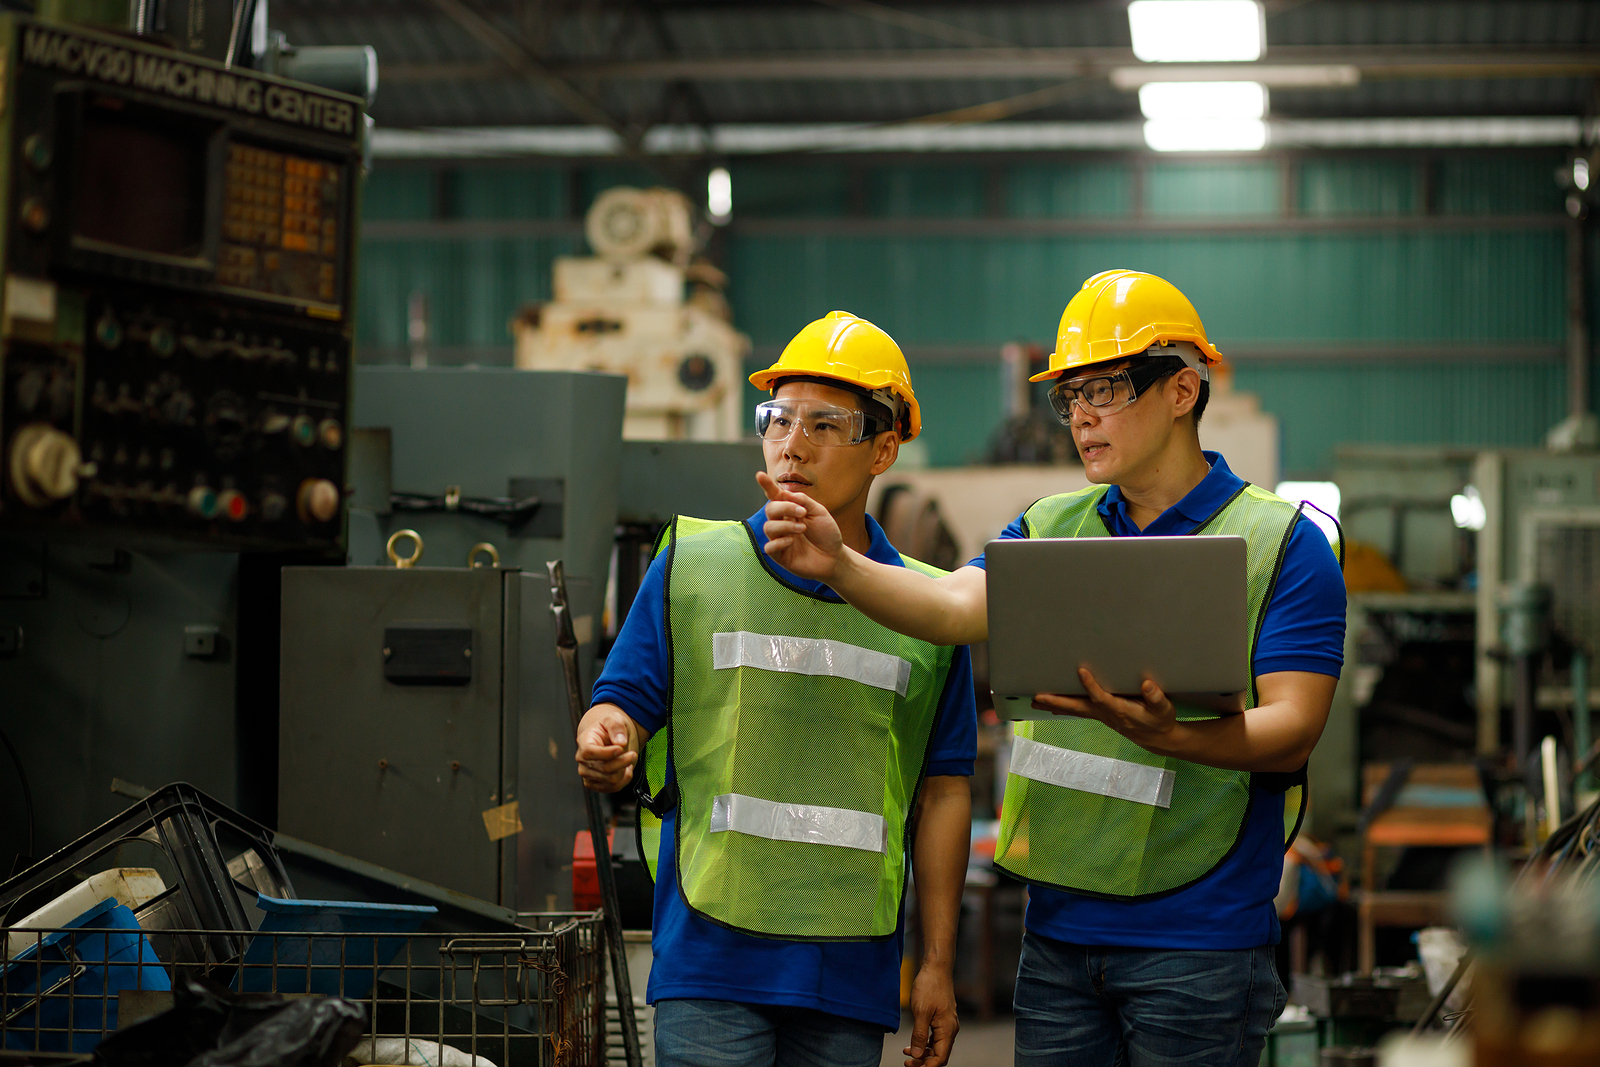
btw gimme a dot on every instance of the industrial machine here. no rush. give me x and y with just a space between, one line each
180 207
423 717
177 256
424 726
624 311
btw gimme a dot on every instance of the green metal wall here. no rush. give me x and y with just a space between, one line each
1285 259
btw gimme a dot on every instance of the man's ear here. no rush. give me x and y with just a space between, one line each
1183 389
885 450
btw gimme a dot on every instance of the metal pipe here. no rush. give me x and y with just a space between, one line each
1577 324
1582 728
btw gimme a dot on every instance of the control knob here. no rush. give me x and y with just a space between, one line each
317 500
45 465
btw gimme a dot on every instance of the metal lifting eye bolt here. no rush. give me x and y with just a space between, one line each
395 557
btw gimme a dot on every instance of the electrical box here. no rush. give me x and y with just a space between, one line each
424 726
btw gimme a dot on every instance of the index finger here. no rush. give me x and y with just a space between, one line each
770 486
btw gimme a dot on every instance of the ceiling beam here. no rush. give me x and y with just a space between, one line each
516 59
1015 63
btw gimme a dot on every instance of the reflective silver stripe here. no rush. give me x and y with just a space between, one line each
1092 774
810 824
810 655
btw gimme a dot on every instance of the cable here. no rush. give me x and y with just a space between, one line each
27 794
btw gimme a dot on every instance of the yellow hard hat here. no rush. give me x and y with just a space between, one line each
850 349
1121 313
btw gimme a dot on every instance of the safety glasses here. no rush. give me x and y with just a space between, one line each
1106 394
823 424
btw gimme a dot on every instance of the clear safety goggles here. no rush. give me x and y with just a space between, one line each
1104 394
823 424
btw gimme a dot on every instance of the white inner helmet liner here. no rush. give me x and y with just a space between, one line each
1185 351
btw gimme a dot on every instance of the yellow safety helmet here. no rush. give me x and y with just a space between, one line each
1121 313
852 350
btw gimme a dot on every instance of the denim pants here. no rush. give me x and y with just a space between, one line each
1129 1007
722 1033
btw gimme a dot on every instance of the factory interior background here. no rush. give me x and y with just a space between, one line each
569 232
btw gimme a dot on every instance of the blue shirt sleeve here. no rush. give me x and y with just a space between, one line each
955 731
636 671
1303 629
1013 530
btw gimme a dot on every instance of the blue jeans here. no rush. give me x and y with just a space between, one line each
1131 1007
722 1033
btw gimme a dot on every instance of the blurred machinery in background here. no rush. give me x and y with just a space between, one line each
624 311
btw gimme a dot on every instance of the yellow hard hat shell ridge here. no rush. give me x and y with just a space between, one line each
1121 313
848 348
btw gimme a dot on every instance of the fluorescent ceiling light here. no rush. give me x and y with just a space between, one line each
1302 77
719 194
1168 31
1205 135
1203 100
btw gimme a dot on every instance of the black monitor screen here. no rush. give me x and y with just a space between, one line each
141 180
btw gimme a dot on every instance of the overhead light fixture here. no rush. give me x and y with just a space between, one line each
1468 510
1329 76
1197 31
1204 116
719 195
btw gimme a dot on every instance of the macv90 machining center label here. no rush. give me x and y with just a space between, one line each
117 64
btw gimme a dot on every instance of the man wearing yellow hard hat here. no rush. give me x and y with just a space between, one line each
1149 929
799 754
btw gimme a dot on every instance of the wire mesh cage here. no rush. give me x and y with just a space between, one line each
531 998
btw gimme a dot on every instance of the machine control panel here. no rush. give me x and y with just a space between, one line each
175 345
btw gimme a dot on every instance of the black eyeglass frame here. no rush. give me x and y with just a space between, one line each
1139 378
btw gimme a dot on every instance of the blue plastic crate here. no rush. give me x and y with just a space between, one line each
80 969
341 963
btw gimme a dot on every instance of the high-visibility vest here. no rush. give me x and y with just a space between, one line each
798 733
1088 811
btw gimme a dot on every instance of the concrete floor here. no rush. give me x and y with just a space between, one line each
978 1044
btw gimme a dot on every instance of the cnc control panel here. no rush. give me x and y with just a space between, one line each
176 341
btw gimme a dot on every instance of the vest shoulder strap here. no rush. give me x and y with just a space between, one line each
689 526
1065 514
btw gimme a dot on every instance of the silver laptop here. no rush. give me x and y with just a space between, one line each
1170 607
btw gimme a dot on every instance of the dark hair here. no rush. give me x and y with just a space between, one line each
1170 365
872 409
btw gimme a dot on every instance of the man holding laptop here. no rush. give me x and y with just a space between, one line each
1150 826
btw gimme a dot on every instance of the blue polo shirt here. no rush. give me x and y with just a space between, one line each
1302 630
696 958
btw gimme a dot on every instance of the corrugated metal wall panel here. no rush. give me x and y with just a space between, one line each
1361 286
1469 403
474 287
1499 184
768 191
510 193
1191 189
1087 190
1358 187
925 192
399 193
1496 286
